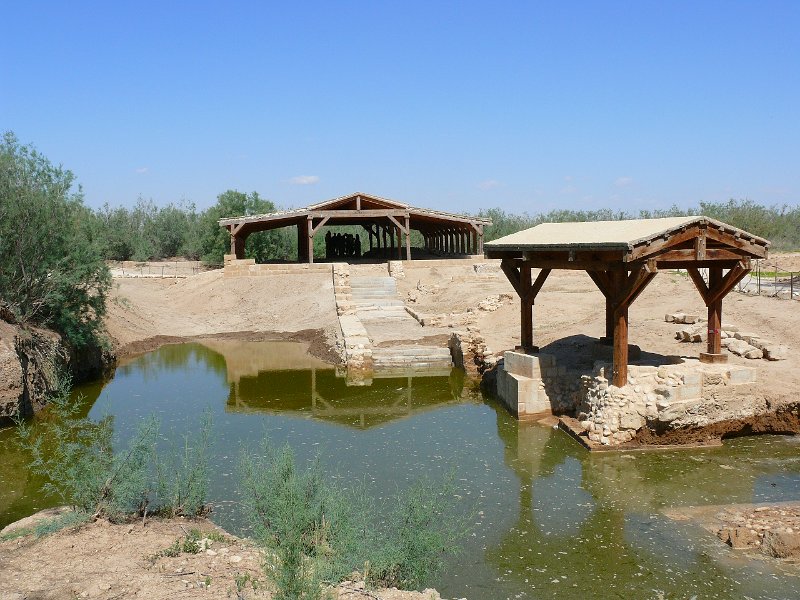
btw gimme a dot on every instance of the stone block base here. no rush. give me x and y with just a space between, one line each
713 359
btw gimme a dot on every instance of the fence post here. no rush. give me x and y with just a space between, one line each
758 277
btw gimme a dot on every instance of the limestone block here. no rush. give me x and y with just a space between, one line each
677 410
692 378
776 352
738 375
689 392
739 346
529 365
755 353
631 420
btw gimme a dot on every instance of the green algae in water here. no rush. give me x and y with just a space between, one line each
551 519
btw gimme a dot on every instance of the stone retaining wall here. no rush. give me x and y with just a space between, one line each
674 396
247 267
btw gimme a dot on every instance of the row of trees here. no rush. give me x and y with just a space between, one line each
779 224
147 232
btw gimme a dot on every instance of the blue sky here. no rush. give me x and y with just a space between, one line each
452 105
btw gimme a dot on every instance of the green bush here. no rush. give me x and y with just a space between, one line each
51 268
316 533
78 461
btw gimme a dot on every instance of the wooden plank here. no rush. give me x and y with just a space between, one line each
408 240
602 281
319 214
310 241
696 264
576 265
690 255
700 245
663 243
741 244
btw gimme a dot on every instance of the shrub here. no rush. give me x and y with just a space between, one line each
51 269
77 459
317 533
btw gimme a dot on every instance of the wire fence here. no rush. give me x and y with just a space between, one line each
768 279
159 270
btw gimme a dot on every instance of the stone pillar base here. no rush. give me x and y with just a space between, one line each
712 359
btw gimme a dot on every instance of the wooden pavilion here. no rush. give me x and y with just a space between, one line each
622 257
388 224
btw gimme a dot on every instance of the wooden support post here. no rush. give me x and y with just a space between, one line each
398 233
609 339
480 239
526 307
237 246
408 238
473 248
620 366
714 313
310 256
301 244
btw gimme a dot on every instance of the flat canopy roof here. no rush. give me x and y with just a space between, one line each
631 239
353 209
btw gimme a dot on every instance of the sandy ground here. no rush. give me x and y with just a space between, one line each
106 561
569 308
145 312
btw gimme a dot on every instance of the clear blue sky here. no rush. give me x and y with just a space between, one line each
452 105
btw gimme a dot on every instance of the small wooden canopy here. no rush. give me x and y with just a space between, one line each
443 233
622 257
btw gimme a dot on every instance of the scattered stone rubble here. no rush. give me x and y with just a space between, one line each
492 303
773 530
746 345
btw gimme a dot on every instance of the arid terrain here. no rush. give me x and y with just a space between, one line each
103 560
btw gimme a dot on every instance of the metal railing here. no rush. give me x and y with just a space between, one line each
769 279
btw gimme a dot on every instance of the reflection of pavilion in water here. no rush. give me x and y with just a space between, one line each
281 378
319 393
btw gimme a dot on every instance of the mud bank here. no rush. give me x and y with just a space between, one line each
30 361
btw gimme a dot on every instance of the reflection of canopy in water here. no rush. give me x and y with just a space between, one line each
322 395
248 359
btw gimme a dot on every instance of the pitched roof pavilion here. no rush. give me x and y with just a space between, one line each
622 257
443 232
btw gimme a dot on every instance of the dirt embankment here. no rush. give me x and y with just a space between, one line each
105 561
145 313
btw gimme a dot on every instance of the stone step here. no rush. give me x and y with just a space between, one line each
414 351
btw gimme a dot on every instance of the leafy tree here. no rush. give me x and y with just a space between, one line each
215 241
51 271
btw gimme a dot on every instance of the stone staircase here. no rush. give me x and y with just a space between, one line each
371 311
376 299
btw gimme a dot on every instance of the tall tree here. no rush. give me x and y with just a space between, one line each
51 271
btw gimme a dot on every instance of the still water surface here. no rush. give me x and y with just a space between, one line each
552 520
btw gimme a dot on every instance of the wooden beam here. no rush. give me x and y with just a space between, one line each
633 285
512 273
396 222
699 283
310 241
690 254
235 229
667 241
603 282
714 312
739 243
321 223
358 203
408 239
373 213
727 283
537 285
700 245
526 310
